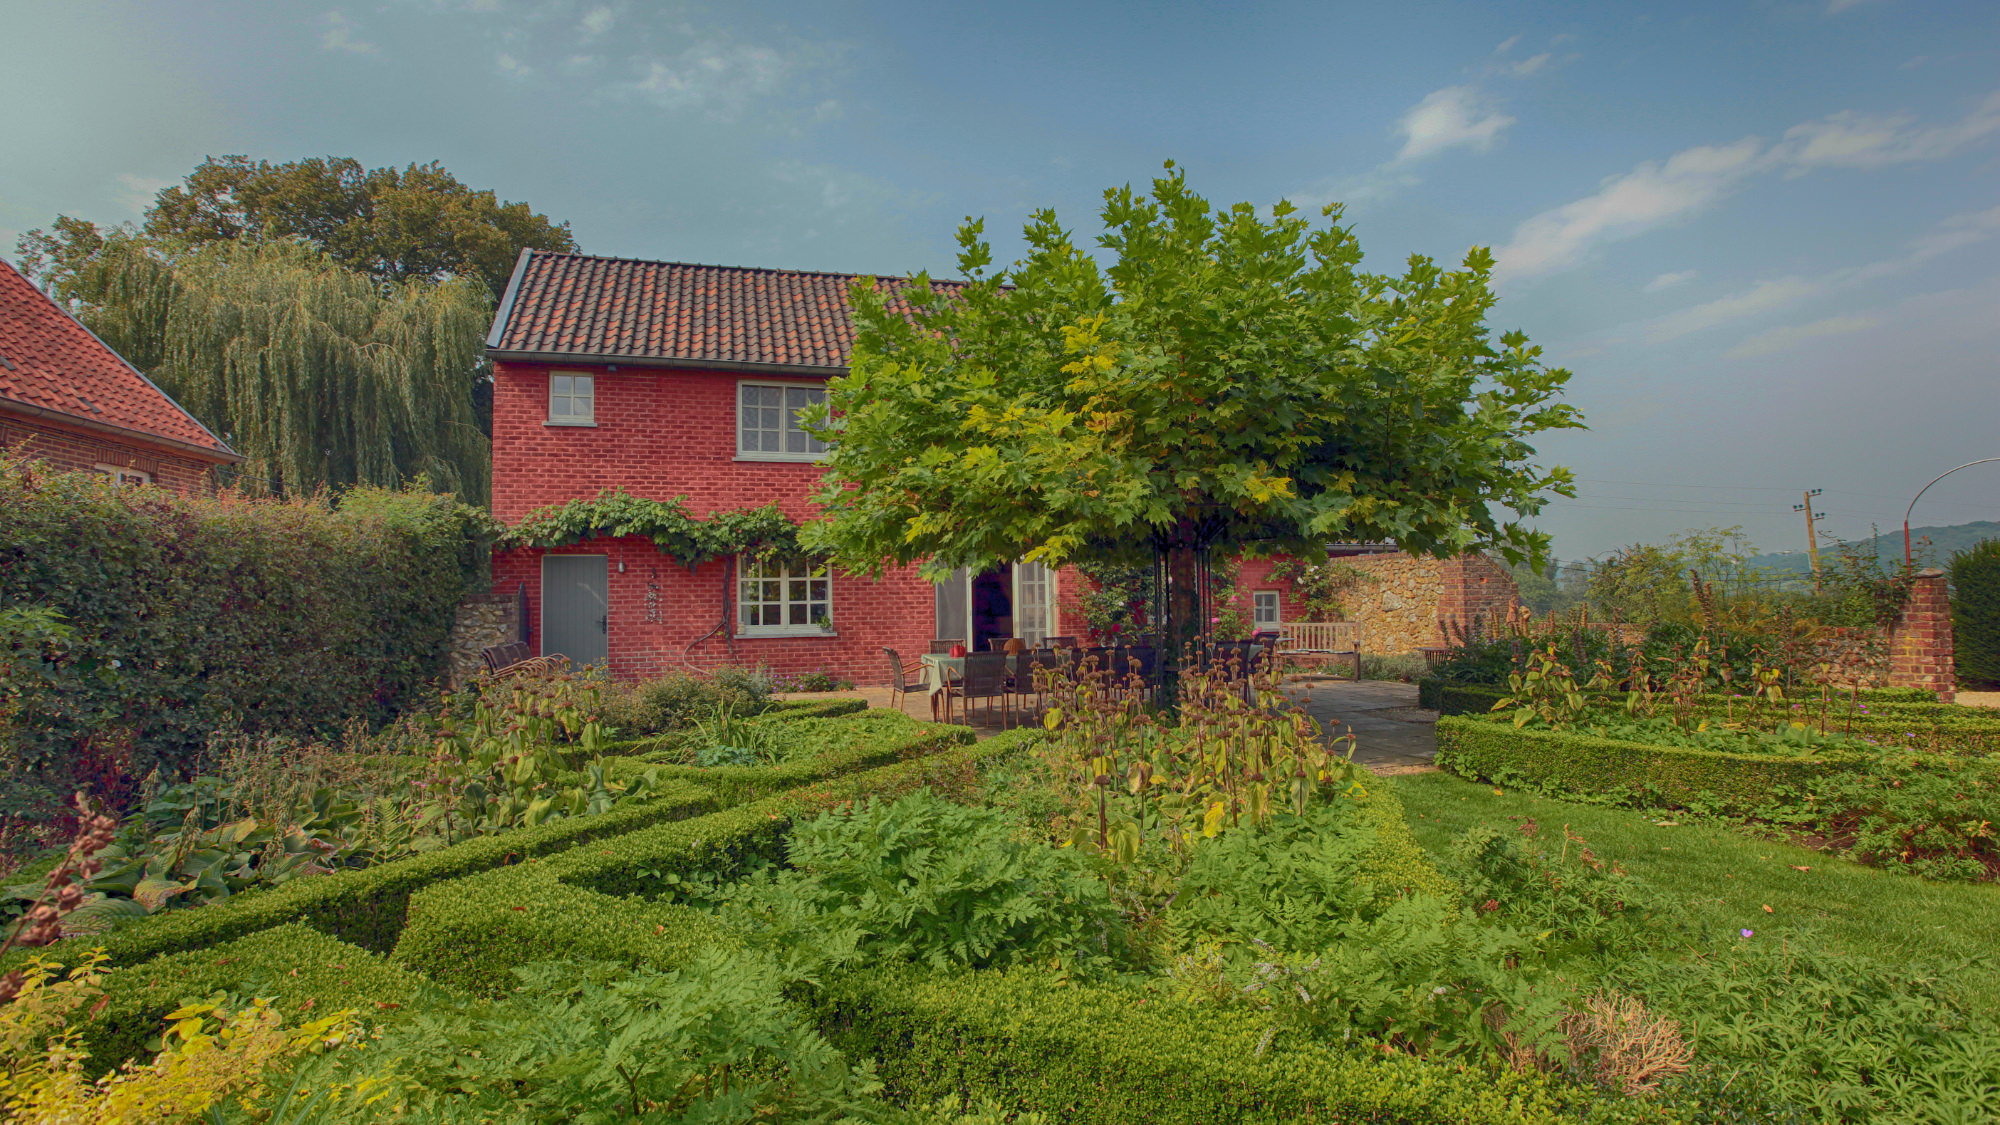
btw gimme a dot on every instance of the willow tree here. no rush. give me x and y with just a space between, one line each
319 375
1225 381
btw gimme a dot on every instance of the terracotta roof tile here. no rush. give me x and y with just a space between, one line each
575 304
51 362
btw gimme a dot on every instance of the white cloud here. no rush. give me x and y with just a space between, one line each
1530 65
513 67
1669 280
1954 233
137 192
597 21
1760 298
1656 193
1790 335
339 35
1506 44
1628 204
1455 115
1855 140
713 75
1835 7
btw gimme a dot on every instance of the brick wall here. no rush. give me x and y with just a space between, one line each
1920 645
74 451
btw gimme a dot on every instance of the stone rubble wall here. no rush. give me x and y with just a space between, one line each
484 620
1405 602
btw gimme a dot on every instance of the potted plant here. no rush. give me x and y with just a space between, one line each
824 622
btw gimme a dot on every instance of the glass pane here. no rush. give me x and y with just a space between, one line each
559 406
799 614
795 441
581 385
796 591
559 384
768 420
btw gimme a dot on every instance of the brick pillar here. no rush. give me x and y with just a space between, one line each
1920 641
1473 589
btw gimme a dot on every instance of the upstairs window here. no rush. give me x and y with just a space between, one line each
1264 607
767 422
572 401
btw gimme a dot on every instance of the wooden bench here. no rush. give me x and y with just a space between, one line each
1317 640
515 658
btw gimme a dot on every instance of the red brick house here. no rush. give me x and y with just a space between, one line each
68 399
669 379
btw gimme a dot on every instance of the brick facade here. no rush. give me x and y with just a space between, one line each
83 451
662 433
1920 644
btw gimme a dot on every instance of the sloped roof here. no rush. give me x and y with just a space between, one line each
577 305
51 365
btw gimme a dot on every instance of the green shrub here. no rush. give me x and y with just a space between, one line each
367 907
1975 615
472 932
1844 1037
851 741
1111 1054
923 879
1566 762
679 699
193 614
304 972
712 1041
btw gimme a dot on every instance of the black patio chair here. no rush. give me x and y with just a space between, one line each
985 677
900 683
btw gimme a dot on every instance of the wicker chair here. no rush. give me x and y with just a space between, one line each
900 684
943 645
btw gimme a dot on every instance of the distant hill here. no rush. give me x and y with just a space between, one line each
1943 542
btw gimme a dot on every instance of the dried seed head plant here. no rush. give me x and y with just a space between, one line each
1624 1046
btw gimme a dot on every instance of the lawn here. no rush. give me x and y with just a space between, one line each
1726 878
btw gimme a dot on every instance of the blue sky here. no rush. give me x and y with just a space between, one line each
1762 234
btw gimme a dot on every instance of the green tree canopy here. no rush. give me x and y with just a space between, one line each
393 224
317 374
1226 381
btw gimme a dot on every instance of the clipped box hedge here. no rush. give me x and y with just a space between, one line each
1113 1055
1633 772
782 710
304 972
854 742
470 933
366 906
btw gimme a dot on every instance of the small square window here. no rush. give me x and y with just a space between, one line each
572 400
122 476
1264 604
767 422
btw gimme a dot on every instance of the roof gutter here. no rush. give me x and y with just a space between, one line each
142 437
674 363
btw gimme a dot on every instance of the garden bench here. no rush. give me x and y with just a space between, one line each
514 658
1317 640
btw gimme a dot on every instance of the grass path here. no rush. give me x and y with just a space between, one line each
1726 878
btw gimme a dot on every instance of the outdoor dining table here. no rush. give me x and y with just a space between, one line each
940 668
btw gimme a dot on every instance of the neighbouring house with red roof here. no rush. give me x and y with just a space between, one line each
68 399
667 379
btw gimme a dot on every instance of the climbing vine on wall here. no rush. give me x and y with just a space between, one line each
762 534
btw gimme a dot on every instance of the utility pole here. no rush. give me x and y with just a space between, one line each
1812 532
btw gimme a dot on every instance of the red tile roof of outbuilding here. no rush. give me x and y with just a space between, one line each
52 365
620 308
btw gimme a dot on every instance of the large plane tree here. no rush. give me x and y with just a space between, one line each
1215 380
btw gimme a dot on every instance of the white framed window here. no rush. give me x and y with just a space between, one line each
572 399
122 476
776 600
1264 609
767 421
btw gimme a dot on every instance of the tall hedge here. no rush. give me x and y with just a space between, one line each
191 614
1975 615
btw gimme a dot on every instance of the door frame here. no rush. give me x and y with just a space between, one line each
1014 592
542 609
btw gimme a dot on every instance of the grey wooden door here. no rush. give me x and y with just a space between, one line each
576 608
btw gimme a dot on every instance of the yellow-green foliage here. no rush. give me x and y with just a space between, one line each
212 1054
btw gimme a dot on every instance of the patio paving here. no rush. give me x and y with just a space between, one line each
1391 733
